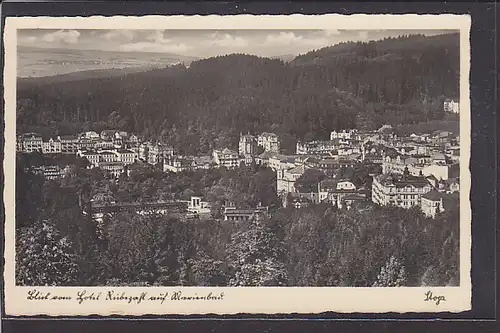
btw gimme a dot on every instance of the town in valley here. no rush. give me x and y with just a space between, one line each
244 158
420 170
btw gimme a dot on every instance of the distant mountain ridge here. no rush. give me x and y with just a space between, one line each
39 62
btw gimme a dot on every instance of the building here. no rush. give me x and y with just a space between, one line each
344 134
32 142
126 156
349 200
179 164
281 162
451 106
69 144
51 147
399 190
51 172
108 135
113 168
452 185
156 152
263 159
19 144
440 171
108 156
87 144
269 141
398 164
316 147
104 145
286 178
226 158
199 207
432 204
91 155
90 135
247 145
234 214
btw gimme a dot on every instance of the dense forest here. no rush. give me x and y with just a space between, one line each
206 105
318 245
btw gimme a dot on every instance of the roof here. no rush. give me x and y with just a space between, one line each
354 197
267 134
111 164
452 181
298 170
328 184
432 177
267 155
68 137
433 196
228 151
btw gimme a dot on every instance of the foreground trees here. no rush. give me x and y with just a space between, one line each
315 246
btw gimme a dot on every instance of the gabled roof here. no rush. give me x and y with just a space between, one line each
433 196
228 151
298 170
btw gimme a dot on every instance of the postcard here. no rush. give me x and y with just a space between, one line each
257 164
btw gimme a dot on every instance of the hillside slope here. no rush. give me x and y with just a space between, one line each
209 103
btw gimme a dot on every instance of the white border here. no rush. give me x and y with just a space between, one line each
263 300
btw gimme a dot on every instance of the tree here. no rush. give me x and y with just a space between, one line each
392 274
45 257
256 257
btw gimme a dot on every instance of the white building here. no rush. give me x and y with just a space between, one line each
126 156
113 168
269 141
432 204
226 158
286 178
32 142
398 190
451 106
344 134
199 207
247 145
51 147
90 135
398 164
316 147
69 144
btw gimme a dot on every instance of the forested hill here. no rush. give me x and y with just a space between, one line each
209 103
394 70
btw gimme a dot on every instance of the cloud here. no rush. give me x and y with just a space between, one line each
27 40
155 47
363 35
289 38
332 32
119 35
157 36
226 40
62 36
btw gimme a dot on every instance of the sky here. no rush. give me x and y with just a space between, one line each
203 43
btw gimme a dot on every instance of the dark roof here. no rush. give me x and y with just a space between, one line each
433 195
328 183
354 197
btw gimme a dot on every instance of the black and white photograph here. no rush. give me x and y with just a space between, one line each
216 158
